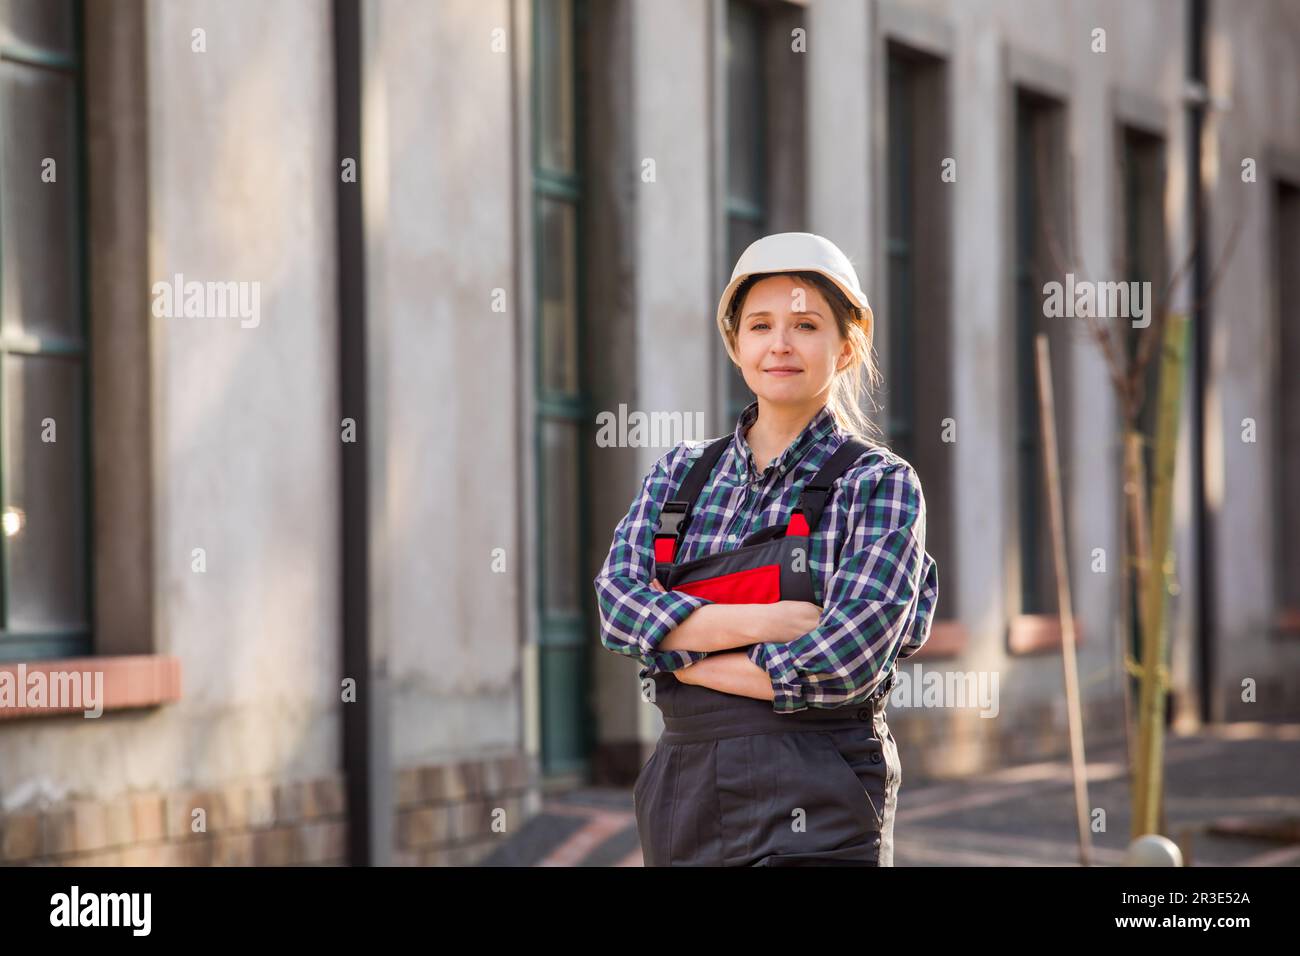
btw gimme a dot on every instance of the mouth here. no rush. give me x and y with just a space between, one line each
782 371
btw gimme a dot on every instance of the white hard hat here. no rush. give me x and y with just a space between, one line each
794 252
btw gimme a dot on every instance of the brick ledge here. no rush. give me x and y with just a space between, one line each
948 638
1039 633
130 681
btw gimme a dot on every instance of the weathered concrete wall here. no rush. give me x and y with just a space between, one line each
1254 114
445 241
245 426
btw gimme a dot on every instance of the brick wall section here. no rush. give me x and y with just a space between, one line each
446 812
445 817
248 823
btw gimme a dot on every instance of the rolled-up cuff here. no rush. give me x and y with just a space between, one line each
787 690
661 662
663 613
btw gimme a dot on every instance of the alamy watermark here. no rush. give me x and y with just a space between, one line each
132 911
638 429
208 300
913 688
1102 300
53 690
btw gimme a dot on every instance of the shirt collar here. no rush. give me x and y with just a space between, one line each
821 426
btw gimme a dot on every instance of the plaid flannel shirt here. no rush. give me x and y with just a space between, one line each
871 574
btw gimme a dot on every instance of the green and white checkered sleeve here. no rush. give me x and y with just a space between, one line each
634 617
882 593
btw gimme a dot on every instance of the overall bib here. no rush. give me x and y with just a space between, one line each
732 782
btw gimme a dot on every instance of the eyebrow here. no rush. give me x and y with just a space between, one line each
751 315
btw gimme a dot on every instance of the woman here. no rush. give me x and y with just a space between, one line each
768 582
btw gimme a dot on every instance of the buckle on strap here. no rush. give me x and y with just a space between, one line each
671 517
812 501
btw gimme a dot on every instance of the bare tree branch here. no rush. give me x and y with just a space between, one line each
1100 331
1148 346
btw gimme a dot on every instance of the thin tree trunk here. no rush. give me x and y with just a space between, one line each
1135 483
1155 678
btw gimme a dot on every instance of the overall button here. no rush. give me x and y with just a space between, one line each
875 756
864 713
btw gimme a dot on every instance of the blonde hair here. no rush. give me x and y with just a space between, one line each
855 325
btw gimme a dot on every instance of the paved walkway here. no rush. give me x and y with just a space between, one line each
1222 784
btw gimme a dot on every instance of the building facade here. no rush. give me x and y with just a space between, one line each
325 516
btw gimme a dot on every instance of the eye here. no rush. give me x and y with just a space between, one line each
760 324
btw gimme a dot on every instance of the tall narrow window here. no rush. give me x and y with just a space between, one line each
1143 242
746 144
765 143
566 723
1142 179
1040 228
918 373
1287 526
45 568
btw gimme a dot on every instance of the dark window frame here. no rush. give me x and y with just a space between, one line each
748 213
564 640
918 317
1039 122
57 642
1286 548
1141 156
778 203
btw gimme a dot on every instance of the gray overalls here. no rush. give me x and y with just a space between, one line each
733 783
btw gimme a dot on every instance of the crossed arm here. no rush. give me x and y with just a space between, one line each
877 608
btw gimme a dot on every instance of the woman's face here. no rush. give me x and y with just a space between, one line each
788 342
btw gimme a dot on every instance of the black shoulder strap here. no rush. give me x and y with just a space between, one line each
696 478
813 497
676 512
